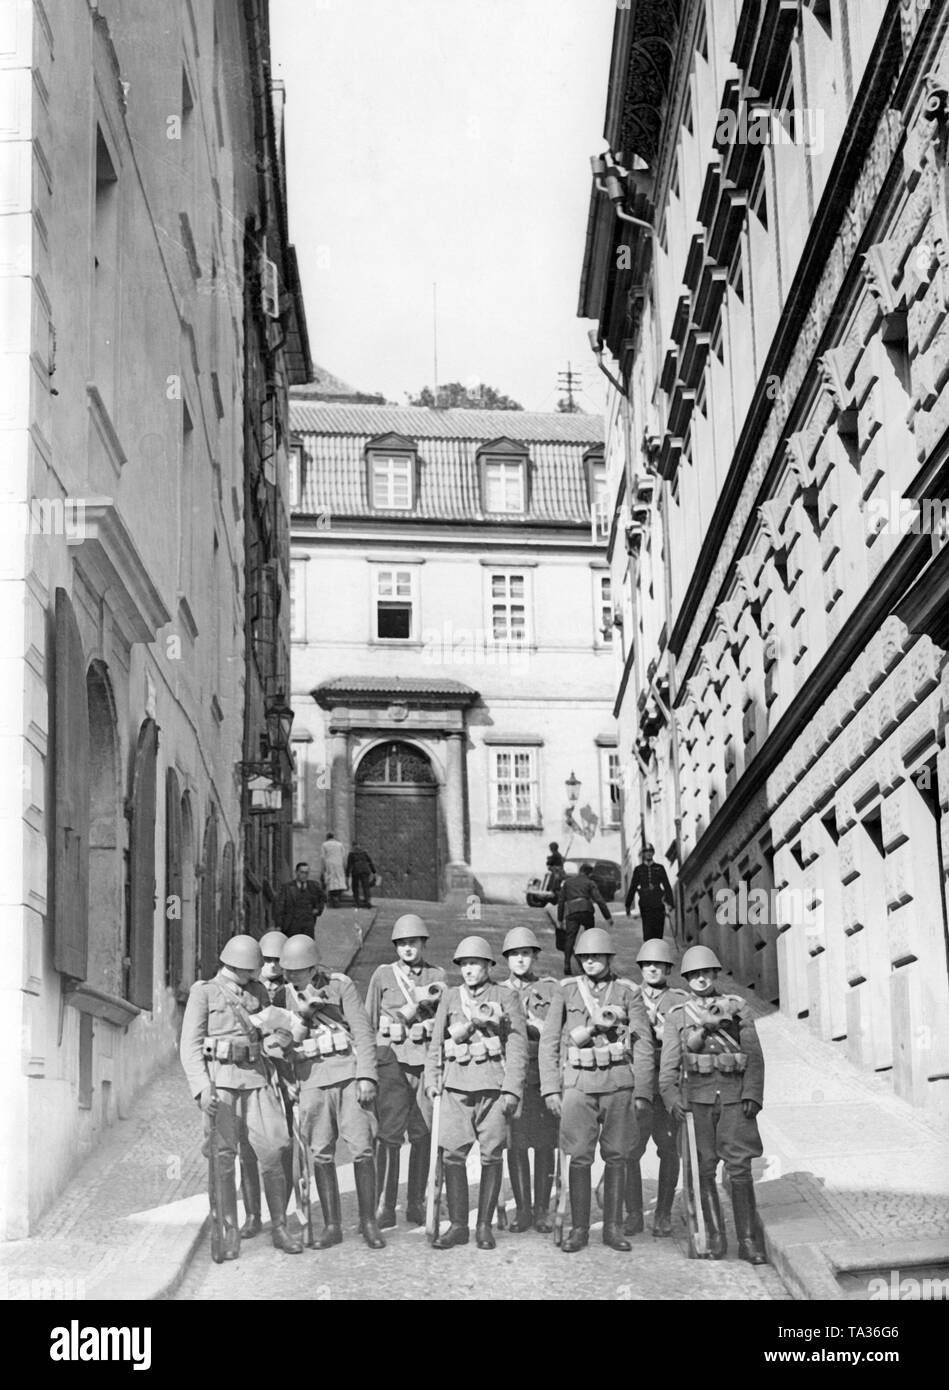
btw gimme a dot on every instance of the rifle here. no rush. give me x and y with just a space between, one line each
436 1172
695 1217
562 1183
301 1173
218 1218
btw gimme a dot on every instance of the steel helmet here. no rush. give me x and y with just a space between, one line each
243 953
272 944
656 951
594 942
520 939
409 925
473 948
699 958
299 953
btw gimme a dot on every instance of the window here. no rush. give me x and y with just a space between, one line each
298 600
612 783
394 605
105 278
391 482
599 503
299 784
294 477
604 593
513 786
504 487
508 607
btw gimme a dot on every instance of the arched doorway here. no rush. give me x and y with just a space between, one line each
105 860
397 819
189 944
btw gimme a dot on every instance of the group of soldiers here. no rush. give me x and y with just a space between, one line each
275 1046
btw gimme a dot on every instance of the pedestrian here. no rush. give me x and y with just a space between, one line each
578 895
334 1064
554 858
299 903
655 961
532 1125
334 868
651 883
229 1075
596 1075
478 1058
401 1003
360 870
712 1066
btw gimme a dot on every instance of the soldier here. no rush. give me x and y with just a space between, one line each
596 1074
577 895
229 1076
712 1065
655 960
335 1068
271 977
401 1004
271 948
533 1126
651 883
480 1032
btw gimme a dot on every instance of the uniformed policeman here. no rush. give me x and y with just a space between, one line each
596 1059
229 1076
712 1065
478 1058
271 948
533 1126
334 1060
401 1003
655 960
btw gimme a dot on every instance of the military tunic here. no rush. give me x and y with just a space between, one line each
711 1077
533 1126
662 1129
598 1082
475 1073
402 1104
339 1050
219 1019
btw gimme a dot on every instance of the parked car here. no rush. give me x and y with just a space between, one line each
607 876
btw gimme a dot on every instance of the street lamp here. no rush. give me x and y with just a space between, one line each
279 722
573 786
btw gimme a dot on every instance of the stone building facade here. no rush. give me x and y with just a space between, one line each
452 636
777 458
134 145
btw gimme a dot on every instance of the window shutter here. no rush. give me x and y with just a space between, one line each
70 815
142 866
174 961
209 944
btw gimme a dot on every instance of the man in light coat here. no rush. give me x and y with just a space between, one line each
334 868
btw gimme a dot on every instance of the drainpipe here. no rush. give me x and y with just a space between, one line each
671 671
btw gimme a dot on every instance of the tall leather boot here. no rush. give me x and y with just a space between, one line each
519 1171
364 1173
456 1190
746 1221
581 1192
327 1185
275 1187
614 1184
668 1177
250 1193
543 1182
232 1231
388 1157
712 1210
634 1197
420 1154
491 1176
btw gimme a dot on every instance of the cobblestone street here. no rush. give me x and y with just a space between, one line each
523 1266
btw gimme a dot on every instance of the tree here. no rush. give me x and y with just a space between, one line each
455 395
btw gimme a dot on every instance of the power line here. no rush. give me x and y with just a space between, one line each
568 381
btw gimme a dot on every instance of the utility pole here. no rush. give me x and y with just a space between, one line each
568 381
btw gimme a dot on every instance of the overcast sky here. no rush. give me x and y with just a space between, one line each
448 141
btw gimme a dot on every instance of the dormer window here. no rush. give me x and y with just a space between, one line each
504 479
391 474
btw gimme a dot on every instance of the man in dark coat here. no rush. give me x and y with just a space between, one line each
651 882
578 894
359 871
298 904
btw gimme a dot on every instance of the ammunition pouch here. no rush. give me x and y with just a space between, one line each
602 1056
483 1050
705 1063
325 1042
239 1051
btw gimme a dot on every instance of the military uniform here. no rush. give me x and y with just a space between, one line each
532 1126
598 1083
711 1069
660 1126
220 1045
402 1105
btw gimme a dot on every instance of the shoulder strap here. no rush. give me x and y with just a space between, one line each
239 1012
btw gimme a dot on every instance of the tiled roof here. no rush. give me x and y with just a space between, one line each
393 688
335 439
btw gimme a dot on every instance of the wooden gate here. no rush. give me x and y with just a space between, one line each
397 820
